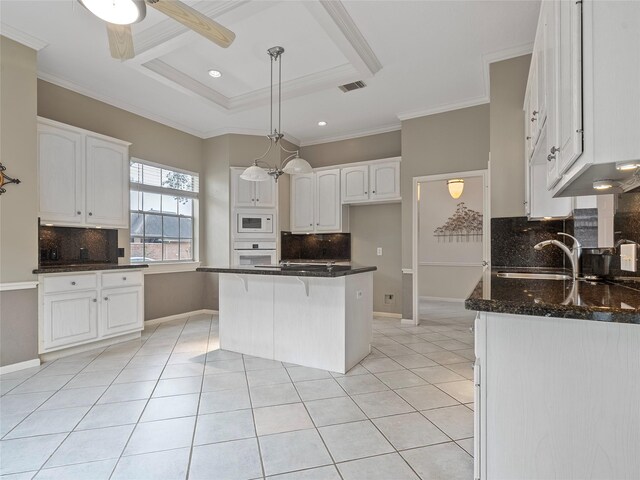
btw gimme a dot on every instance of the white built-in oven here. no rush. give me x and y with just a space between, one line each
254 223
254 253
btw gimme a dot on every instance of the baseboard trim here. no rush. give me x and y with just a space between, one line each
387 314
14 367
407 321
443 299
107 342
178 316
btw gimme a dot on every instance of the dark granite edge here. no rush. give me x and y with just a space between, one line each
86 268
288 273
475 302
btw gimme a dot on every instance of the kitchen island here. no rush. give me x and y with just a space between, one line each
557 376
312 315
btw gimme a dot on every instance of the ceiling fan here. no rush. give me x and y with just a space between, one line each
120 14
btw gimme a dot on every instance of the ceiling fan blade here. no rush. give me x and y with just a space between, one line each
195 20
120 41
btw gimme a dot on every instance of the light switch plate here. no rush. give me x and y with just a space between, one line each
628 257
379 251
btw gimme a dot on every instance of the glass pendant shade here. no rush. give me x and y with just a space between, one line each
456 186
255 174
119 12
297 166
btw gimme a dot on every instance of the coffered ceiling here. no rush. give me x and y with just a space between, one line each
416 57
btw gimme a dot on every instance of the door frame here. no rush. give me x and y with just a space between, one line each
486 225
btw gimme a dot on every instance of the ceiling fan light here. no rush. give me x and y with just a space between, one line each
455 186
297 166
118 12
255 174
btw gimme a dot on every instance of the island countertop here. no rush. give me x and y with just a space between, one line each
314 270
607 301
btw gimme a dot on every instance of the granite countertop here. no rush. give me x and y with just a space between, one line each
320 270
606 301
86 267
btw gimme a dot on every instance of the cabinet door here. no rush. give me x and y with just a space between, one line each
69 319
328 205
243 192
121 310
569 47
107 183
540 49
384 180
266 193
302 202
355 184
533 100
60 175
541 202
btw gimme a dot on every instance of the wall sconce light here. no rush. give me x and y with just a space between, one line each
456 186
5 179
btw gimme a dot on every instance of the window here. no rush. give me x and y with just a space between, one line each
164 203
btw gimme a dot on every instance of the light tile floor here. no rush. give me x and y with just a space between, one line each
174 406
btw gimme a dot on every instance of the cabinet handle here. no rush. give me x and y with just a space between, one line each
78 212
253 199
528 138
94 300
554 149
533 119
366 193
124 278
535 112
73 283
318 223
90 213
106 298
311 224
550 157
373 191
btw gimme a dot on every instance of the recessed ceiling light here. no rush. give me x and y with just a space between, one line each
322 123
215 73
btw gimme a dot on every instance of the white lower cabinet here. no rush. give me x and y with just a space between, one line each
76 309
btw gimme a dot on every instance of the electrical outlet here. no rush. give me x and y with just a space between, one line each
389 299
379 251
628 257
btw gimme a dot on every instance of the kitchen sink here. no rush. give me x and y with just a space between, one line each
534 276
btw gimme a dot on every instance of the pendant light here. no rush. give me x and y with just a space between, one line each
456 186
292 164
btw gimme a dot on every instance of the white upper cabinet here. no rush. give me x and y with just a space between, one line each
371 182
83 177
302 202
328 206
61 173
355 184
384 180
107 182
315 202
569 83
252 194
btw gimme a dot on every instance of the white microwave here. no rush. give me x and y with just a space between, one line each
258 223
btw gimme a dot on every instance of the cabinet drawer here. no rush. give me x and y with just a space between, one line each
122 278
70 283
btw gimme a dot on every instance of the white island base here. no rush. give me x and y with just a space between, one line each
318 322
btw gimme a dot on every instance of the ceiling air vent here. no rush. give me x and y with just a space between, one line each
347 87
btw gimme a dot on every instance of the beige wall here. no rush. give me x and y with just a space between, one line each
18 206
18 152
508 84
173 293
371 226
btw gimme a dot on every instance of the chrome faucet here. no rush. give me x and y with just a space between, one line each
574 253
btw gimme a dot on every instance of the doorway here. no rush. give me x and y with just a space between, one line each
451 244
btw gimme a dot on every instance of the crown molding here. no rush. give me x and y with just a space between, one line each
448 107
22 37
247 131
499 56
348 136
352 33
74 87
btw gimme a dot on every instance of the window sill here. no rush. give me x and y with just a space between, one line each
170 267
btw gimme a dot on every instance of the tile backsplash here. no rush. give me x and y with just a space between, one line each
316 247
70 245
